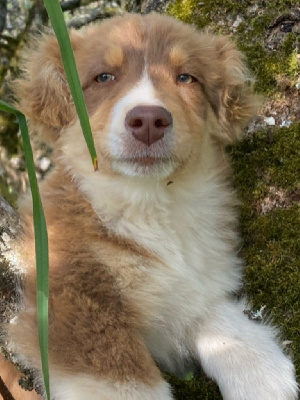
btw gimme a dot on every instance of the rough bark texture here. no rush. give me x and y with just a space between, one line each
147 6
9 227
10 282
3 13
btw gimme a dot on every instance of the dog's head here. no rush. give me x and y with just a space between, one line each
154 89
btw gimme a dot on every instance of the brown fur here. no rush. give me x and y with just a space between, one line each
105 336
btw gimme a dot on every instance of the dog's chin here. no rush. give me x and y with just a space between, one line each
145 167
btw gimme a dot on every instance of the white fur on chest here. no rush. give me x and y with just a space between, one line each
186 225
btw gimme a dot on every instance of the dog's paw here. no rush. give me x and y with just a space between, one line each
267 382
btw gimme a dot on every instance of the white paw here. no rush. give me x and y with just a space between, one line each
270 381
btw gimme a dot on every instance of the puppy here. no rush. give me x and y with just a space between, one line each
143 259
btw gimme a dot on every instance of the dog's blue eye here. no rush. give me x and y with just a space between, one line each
105 77
186 78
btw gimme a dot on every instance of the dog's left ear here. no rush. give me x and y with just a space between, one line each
42 91
234 102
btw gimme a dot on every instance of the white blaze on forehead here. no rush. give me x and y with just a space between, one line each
122 144
143 93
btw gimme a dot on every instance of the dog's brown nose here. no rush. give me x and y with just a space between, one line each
148 123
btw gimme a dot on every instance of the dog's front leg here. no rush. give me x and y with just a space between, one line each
242 356
81 387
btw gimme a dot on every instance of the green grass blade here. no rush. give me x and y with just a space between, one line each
41 246
58 23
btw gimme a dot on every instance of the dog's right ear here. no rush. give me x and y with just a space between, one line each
42 90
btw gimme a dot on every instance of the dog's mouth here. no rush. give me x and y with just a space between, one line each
145 166
147 161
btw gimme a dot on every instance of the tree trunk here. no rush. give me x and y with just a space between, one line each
9 227
3 13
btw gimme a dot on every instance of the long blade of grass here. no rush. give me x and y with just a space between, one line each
58 23
41 245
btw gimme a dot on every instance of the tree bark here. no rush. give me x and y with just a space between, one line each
9 227
147 6
10 280
3 13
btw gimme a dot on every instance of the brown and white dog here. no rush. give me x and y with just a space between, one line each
143 252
